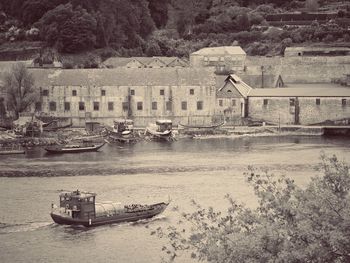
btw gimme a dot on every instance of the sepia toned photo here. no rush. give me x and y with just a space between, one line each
144 131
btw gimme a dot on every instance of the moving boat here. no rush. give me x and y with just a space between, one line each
162 130
80 208
123 131
75 148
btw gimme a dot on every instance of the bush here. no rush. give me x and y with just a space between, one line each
290 224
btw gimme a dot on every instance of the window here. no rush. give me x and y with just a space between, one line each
168 105
37 106
266 101
81 105
45 92
191 91
110 106
67 106
184 105
199 105
74 92
220 103
139 105
233 103
132 92
52 106
125 106
343 102
96 106
292 102
229 91
154 105
318 101
161 92
103 92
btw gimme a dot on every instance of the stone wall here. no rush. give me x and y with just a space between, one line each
329 109
277 110
300 69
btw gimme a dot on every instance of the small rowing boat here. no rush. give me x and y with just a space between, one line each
75 148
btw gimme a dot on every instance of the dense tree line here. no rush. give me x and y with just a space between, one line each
154 27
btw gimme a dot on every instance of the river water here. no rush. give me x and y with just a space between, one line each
200 169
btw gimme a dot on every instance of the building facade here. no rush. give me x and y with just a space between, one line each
102 95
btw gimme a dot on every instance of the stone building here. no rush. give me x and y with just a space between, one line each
102 95
309 104
232 99
224 59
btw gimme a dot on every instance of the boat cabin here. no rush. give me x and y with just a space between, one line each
122 125
78 204
164 125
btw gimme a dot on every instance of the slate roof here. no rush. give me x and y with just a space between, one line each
124 77
224 50
301 92
242 87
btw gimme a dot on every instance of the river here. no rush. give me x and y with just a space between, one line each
200 169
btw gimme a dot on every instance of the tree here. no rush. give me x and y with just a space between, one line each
19 87
2 108
69 29
311 5
290 224
159 12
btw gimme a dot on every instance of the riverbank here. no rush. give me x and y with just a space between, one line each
62 136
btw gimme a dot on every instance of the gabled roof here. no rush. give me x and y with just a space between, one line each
243 88
224 50
123 77
115 62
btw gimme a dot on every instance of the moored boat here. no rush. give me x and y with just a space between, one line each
162 130
6 150
80 208
75 148
123 131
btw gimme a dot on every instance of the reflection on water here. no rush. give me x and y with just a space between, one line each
146 172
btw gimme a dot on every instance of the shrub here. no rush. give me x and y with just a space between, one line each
290 224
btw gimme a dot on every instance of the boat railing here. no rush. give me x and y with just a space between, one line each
10 148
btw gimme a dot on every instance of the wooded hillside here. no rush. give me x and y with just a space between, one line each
169 27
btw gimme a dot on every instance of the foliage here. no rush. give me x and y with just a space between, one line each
311 5
19 88
68 29
290 224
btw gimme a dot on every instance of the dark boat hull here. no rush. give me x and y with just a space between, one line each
73 150
119 218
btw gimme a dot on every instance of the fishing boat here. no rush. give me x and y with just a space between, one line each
123 131
75 148
80 208
162 130
5 150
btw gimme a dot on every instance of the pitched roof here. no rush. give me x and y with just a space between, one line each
301 92
240 85
123 77
115 62
224 50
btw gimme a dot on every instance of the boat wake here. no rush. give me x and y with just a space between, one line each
25 227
